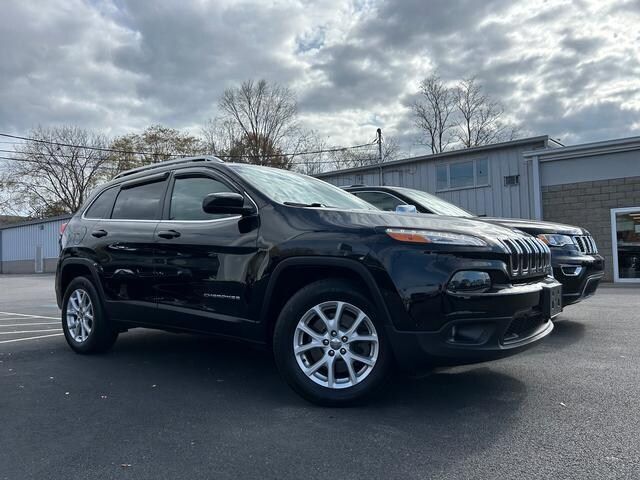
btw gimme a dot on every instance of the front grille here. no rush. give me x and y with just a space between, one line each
585 243
528 256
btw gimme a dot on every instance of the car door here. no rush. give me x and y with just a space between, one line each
124 246
204 261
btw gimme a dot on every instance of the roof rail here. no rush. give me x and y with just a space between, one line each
178 161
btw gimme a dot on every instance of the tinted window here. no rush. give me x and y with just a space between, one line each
141 202
101 207
432 204
187 196
383 201
461 174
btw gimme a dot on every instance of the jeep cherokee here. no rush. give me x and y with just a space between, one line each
339 290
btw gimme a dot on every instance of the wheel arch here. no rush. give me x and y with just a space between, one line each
306 270
76 267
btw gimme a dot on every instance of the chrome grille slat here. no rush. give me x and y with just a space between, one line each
528 256
536 255
585 243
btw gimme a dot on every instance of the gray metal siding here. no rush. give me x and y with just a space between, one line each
590 168
21 242
493 200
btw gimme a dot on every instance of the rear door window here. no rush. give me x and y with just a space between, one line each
140 202
101 206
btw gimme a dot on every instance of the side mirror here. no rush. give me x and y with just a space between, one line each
225 202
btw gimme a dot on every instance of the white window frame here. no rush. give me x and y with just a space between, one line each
475 174
614 244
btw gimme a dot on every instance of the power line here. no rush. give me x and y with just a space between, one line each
156 154
326 150
70 145
111 169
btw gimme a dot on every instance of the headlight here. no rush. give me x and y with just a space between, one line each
555 239
428 236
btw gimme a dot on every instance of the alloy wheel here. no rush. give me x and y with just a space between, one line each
336 344
80 314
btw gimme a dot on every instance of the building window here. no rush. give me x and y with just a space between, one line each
511 180
469 174
625 238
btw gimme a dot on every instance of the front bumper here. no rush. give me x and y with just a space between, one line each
484 326
580 275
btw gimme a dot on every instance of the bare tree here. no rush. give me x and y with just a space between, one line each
350 158
156 144
266 119
311 163
433 113
53 178
480 118
219 135
367 155
390 149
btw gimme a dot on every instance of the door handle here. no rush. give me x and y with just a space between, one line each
168 234
99 233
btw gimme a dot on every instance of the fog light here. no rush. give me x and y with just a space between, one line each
470 281
571 270
470 333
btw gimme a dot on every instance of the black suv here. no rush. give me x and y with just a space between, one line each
338 289
574 255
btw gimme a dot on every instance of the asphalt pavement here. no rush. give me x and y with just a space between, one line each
172 406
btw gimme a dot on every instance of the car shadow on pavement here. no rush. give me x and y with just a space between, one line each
566 332
226 364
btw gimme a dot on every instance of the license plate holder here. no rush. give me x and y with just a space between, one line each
551 300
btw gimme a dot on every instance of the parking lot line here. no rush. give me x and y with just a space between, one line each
6 319
32 331
28 324
27 316
31 338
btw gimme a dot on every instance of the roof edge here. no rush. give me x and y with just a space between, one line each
36 221
437 156
591 148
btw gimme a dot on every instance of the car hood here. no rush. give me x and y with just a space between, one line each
535 227
380 218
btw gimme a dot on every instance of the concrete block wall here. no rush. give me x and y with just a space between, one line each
589 205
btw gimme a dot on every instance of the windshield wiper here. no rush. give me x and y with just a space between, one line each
313 205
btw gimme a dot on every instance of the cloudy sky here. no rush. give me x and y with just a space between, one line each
570 69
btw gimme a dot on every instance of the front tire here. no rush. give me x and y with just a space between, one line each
84 323
329 344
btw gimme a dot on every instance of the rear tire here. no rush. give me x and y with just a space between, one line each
326 325
84 323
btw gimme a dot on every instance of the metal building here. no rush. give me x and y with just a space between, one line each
30 247
492 180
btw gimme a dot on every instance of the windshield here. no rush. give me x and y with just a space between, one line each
434 204
291 188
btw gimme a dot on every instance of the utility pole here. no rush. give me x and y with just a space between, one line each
379 134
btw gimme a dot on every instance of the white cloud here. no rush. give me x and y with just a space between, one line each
566 68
